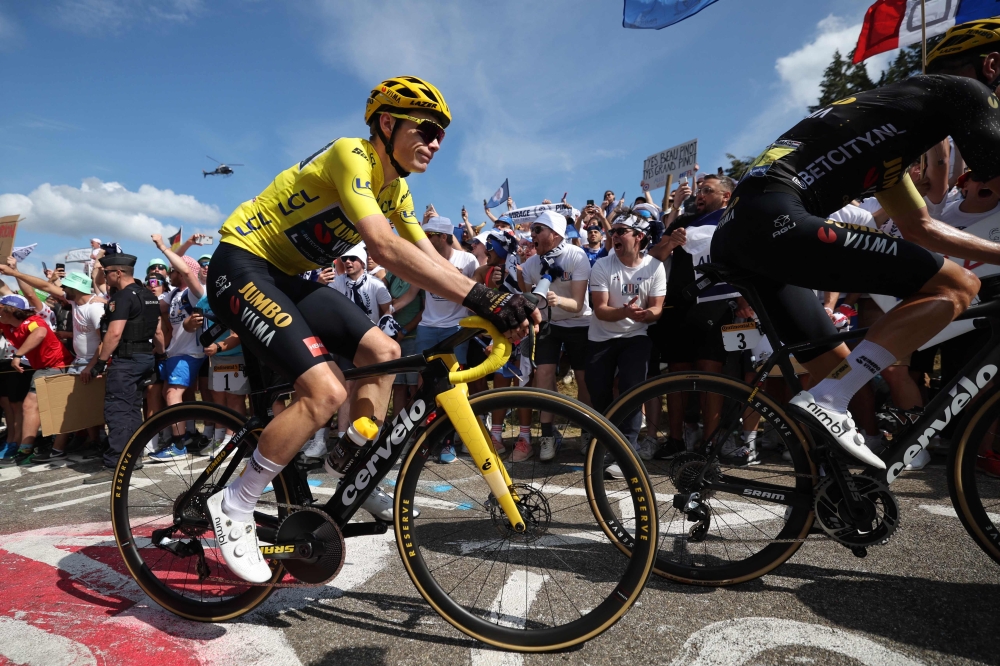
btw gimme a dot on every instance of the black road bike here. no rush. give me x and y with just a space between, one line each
520 556
722 523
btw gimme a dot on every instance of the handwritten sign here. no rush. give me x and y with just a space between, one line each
669 162
8 228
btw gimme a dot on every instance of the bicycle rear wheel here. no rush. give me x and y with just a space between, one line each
748 534
559 583
179 566
972 478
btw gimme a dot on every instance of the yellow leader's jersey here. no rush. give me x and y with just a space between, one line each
306 218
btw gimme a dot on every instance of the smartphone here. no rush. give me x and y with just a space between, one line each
590 202
684 180
204 239
428 207
564 195
198 311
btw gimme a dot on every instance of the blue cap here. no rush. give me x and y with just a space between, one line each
16 301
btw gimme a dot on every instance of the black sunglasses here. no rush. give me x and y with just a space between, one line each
620 231
203 264
427 129
538 228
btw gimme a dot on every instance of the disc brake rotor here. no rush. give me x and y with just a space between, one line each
535 511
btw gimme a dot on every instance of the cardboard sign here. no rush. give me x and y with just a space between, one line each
8 227
670 162
66 404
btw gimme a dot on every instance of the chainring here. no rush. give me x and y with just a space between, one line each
325 564
882 512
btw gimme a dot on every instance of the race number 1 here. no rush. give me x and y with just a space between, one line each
229 377
739 337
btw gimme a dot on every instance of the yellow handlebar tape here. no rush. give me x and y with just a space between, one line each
495 361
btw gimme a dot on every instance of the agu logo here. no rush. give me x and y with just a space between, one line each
826 235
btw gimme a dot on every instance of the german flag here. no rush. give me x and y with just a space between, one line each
175 240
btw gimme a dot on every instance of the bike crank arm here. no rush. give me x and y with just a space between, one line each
455 402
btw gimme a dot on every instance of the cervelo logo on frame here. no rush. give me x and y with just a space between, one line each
958 403
404 423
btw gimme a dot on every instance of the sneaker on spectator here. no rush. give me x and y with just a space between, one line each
546 448
522 450
669 449
569 377
989 464
647 447
585 438
613 472
447 455
19 457
741 457
172 452
919 461
692 436
50 456
8 450
498 444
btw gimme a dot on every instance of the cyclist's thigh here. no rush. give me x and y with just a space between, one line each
243 293
332 317
797 315
772 234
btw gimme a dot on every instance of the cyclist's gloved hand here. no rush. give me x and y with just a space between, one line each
505 311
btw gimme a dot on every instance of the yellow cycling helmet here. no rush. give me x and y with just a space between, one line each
966 37
407 92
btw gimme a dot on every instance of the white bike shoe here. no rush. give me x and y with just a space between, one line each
840 426
238 543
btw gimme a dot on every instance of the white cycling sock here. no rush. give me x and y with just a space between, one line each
241 496
836 390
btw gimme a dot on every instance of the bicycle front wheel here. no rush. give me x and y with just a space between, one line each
973 476
178 564
559 583
742 536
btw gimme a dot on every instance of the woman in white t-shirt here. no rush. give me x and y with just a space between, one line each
567 269
627 288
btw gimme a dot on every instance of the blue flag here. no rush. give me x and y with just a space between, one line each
656 14
499 196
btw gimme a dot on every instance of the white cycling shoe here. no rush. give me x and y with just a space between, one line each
840 426
238 542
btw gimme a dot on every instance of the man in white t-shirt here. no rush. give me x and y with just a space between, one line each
441 316
182 326
566 269
364 289
627 288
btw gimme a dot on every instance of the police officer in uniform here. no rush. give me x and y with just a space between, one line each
131 331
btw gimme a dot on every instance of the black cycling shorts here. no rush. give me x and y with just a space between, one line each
792 252
289 323
548 349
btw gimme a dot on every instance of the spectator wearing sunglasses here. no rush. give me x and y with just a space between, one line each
627 288
203 262
566 269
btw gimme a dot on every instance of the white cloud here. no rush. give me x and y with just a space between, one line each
107 210
799 75
99 16
10 33
520 91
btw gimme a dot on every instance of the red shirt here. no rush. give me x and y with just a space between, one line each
50 354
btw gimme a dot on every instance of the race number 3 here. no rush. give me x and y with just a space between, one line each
739 337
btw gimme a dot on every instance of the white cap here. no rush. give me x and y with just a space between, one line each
359 252
481 237
439 225
553 221
95 240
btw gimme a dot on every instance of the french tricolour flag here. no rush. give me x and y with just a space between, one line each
892 24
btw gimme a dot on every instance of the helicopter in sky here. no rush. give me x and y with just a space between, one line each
221 170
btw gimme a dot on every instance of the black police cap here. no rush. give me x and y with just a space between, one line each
111 260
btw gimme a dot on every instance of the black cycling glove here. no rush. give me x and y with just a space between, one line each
505 311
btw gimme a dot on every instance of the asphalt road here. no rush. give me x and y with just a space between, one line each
927 597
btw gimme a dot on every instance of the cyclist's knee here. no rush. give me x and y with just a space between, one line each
376 347
320 393
958 284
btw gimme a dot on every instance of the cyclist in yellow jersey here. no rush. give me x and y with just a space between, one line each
311 213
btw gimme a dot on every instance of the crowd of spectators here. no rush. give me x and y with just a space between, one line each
611 278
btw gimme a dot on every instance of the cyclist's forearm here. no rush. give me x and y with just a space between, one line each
418 268
947 240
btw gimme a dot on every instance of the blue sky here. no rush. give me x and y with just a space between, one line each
112 105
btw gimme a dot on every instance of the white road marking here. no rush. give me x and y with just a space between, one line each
46 467
136 483
9 473
60 482
510 609
742 640
949 511
23 643
65 490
